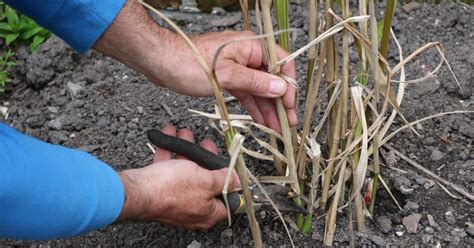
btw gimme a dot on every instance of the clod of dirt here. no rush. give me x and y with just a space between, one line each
410 207
385 224
73 89
470 229
412 6
449 216
411 222
226 237
436 155
379 241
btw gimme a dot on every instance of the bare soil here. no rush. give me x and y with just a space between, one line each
95 104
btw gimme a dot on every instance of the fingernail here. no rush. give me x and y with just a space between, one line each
277 87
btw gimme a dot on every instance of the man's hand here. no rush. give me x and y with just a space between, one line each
240 69
176 191
162 56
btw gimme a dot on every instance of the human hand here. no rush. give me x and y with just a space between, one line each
176 191
166 60
240 69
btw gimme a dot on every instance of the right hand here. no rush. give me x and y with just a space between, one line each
176 191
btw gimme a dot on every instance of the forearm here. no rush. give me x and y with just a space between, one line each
137 41
48 191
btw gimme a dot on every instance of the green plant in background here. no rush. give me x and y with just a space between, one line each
5 65
16 28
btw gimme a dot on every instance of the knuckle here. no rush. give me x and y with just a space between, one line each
256 83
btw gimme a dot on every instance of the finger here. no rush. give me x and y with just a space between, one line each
209 145
218 213
218 181
269 112
162 154
248 102
187 135
238 77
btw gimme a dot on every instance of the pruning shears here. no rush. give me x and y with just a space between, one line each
204 158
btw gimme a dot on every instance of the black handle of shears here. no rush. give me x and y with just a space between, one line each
199 155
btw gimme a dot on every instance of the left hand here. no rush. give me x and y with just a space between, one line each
164 57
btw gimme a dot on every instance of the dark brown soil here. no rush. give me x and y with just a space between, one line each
114 106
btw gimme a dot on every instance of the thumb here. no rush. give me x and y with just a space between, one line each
219 177
258 83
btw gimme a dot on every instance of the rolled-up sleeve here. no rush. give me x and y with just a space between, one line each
48 191
78 22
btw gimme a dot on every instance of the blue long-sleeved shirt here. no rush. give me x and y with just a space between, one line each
48 191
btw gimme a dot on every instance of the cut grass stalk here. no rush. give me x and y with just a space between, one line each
244 5
286 131
387 25
313 32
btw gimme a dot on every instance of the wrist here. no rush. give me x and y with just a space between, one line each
134 205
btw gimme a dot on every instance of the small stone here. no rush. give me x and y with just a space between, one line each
379 241
135 120
470 229
194 244
218 11
53 110
399 230
429 184
412 6
431 221
449 216
436 155
140 109
429 230
406 190
419 126
226 237
56 124
3 110
411 222
73 89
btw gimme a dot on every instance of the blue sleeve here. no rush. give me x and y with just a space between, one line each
48 191
79 22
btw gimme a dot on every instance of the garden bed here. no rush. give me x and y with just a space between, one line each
100 106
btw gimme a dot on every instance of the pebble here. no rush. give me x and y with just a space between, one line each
449 216
412 6
140 109
470 229
399 230
226 237
73 89
411 222
378 240
53 110
436 155
429 230
431 221
385 224
55 124
194 244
